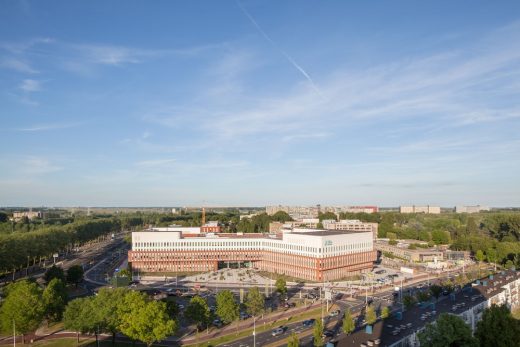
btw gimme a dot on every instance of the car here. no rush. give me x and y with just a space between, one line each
308 323
334 313
181 307
244 315
445 292
289 304
328 333
277 332
218 323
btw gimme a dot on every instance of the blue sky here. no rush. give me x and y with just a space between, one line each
168 103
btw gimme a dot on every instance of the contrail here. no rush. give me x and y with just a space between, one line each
287 56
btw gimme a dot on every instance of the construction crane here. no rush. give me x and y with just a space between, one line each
203 219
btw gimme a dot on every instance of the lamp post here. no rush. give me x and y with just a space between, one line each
14 333
254 331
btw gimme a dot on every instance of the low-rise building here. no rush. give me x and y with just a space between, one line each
420 209
350 225
471 209
402 251
17 216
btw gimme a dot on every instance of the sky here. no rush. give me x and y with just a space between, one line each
252 103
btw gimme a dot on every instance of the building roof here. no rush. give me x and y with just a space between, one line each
330 232
457 303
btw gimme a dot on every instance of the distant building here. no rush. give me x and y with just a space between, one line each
17 216
471 209
420 209
350 225
304 212
415 255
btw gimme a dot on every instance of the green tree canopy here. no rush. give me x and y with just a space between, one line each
80 316
293 341
148 323
447 330
479 255
75 274
23 305
281 285
255 302
385 312
318 333
198 311
54 300
54 272
370 315
227 307
348 323
498 328
108 302
436 291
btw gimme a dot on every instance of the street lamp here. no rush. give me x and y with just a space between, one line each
254 331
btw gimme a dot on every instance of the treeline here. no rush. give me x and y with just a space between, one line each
19 249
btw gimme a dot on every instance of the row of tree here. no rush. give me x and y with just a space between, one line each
21 249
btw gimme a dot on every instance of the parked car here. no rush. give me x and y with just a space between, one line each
218 323
244 315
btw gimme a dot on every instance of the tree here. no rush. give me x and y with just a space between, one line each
498 327
198 311
281 286
348 323
75 274
54 299
293 341
408 301
227 307
318 333
492 255
448 330
436 291
148 323
23 306
78 316
370 315
385 312
423 296
255 302
54 272
108 302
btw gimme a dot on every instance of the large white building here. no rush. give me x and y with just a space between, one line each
316 255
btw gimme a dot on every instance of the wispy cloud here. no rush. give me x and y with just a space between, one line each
156 162
33 165
17 64
30 85
48 127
